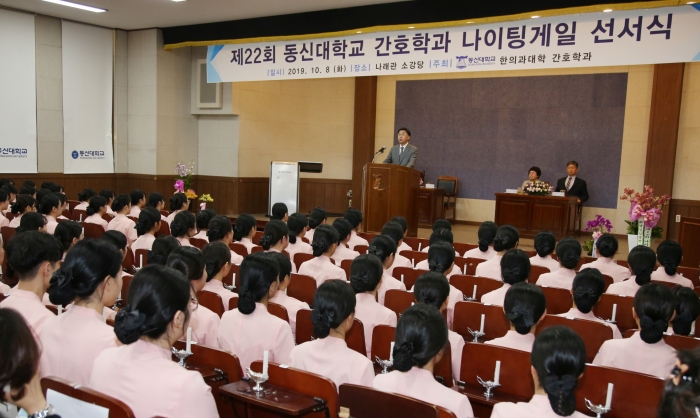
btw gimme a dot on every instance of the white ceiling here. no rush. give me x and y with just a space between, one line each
141 14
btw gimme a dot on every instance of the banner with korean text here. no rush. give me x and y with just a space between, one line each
629 37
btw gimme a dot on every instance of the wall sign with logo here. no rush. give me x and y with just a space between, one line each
628 37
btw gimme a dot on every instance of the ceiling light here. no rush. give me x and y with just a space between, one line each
607 10
411 27
77 6
690 2
359 31
534 17
179 0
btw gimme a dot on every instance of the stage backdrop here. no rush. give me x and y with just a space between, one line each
488 132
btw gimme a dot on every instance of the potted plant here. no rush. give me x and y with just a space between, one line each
183 183
204 199
597 226
538 188
645 211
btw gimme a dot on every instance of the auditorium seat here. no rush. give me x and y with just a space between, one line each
237 248
362 401
536 272
141 258
463 248
199 243
382 337
468 285
278 311
468 315
398 300
354 338
669 285
211 301
690 273
164 229
461 264
623 314
128 261
107 217
117 408
416 243
301 258
165 213
367 235
559 301
126 282
72 204
7 234
94 231
233 276
679 342
608 281
302 287
256 238
362 249
407 276
232 304
415 257
471 265
345 265
79 215
65 213
593 333
622 263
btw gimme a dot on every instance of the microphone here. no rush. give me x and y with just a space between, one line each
381 151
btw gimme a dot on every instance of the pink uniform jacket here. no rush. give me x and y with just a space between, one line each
135 211
292 305
343 253
248 336
330 357
660 275
299 247
322 268
30 307
248 244
456 348
515 341
420 384
202 235
144 242
72 341
496 297
477 253
400 261
635 355
608 266
354 240
628 287
124 225
388 283
575 313
96 219
548 262
490 268
205 326
144 376
216 286
169 218
51 224
371 314
562 278
538 407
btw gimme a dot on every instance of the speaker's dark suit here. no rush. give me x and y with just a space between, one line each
578 189
407 158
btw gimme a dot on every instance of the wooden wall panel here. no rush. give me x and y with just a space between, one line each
222 190
363 132
689 208
252 194
663 130
327 193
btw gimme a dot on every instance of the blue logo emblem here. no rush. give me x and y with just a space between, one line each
74 154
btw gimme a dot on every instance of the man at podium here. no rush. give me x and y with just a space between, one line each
403 154
572 185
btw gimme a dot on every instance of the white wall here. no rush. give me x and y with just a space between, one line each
121 102
49 94
218 145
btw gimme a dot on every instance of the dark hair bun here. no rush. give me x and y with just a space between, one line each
128 324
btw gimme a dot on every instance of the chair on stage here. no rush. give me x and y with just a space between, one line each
622 305
407 276
450 184
559 301
362 401
398 300
468 316
593 333
474 287
211 301
302 287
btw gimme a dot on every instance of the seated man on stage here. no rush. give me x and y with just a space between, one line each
403 154
572 185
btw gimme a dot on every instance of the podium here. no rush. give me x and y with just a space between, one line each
389 190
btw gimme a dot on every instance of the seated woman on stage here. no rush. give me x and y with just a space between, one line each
203 218
251 330
328 355
146 227
321 267
586 291
244 231
95 210
569 254
141 373
687 306
645 351
365 279
558 360
292 305
439 235
317 217
507 237
298 225
91 278
217 259
525 307
533 175
545 243
275 237
384 248
642 261
182 227
220 229
342 252
205 324
421 337
485 251
606 246
669 254
515 268
433 289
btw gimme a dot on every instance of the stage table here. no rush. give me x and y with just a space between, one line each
532 214
430 206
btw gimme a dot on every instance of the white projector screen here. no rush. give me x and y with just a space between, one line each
87 99
17 93
284 185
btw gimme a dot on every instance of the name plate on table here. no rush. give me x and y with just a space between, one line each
429 186
558 194
512 191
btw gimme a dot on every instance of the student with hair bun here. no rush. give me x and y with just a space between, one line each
109 197
178 203
365 279
220 229
141 372
525 307
558 360
182 227
317 217
669 254
122 207
645 351
545 243
68 233
95 210
51 209
90 278
682 387
606 246
23 204
292 305
217 261
321 267
342 251
433 289
138 202
4 205
118 240
84 198
586 291
486 234
202 220
161 249
298 224
404 225
32 221
394 231
204 322
642 261
354 216
442 224
155 200
507 237
384 248
146 227
569 254
64 205
251 330
687 308
279 212
515 268
275 236
421 337
328 355
441 260
244 231
440 236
